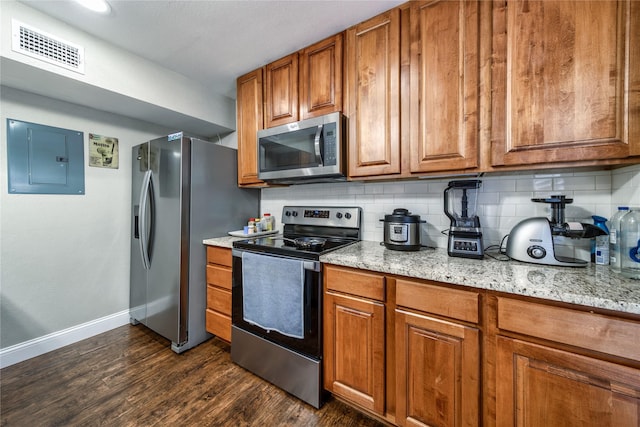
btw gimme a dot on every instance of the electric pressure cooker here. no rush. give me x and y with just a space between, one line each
402 230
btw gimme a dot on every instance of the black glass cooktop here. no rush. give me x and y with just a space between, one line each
278 246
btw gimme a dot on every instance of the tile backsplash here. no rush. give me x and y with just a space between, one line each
503 201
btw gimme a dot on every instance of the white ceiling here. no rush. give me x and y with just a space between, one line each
214 41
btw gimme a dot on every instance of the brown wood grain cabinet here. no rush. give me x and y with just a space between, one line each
281 91
437 357
565 82
320 88
218 313
545 383
444 99
305 84
372 96
250 120
354 337
421 353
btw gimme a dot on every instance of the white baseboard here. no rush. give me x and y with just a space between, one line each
41 345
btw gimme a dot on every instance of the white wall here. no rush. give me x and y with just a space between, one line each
504 200
119 81
64 260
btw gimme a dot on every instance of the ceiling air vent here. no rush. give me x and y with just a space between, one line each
46 47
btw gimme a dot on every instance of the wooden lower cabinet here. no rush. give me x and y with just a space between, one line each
543 386
422 353
354 337
218 314
437 371
354 350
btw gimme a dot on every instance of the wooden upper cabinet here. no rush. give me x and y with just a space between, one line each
281 91
372 95
249 121
565 81
321 78
444 85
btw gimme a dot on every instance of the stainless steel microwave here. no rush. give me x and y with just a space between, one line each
311 150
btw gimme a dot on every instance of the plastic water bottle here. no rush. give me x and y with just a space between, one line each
614 238
630 244
600 245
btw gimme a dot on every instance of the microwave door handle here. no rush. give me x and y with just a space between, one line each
316 142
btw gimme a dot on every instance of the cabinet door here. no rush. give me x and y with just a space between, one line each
438 372
250 120
541 386
444 85
565 81
281 91
354 350
373 95
321 78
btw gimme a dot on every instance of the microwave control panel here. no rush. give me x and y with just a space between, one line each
329 137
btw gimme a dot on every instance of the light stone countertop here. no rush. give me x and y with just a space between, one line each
223 242
593 286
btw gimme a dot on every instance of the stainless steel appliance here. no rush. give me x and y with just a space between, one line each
276 297
310 150
183 191
402 230
460 205
533 239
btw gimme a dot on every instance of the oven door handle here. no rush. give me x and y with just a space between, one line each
307 265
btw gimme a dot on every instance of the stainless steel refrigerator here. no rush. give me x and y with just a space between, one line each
184 190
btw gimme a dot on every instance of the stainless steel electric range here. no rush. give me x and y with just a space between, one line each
277 297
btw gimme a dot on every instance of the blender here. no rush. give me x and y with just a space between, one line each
460 204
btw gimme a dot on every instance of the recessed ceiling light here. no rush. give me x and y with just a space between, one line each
100 6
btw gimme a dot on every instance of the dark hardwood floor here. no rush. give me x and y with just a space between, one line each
130 377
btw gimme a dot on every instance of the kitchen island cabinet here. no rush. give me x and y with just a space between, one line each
218 313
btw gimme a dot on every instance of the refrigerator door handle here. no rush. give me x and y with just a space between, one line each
144 238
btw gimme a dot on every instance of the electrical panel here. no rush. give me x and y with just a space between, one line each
44 159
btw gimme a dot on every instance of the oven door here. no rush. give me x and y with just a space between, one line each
302 333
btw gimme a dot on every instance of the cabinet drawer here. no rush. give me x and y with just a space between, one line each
217 255
367 285
219 276
578 328
454 303
219 299
219 325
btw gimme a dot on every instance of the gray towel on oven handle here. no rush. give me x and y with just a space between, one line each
273 293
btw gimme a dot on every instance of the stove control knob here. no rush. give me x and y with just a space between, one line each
347 215
536 252
287 213
339 215
294 213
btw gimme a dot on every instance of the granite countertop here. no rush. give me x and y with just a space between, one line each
223 242
593 286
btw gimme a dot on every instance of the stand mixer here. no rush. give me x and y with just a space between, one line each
532 240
